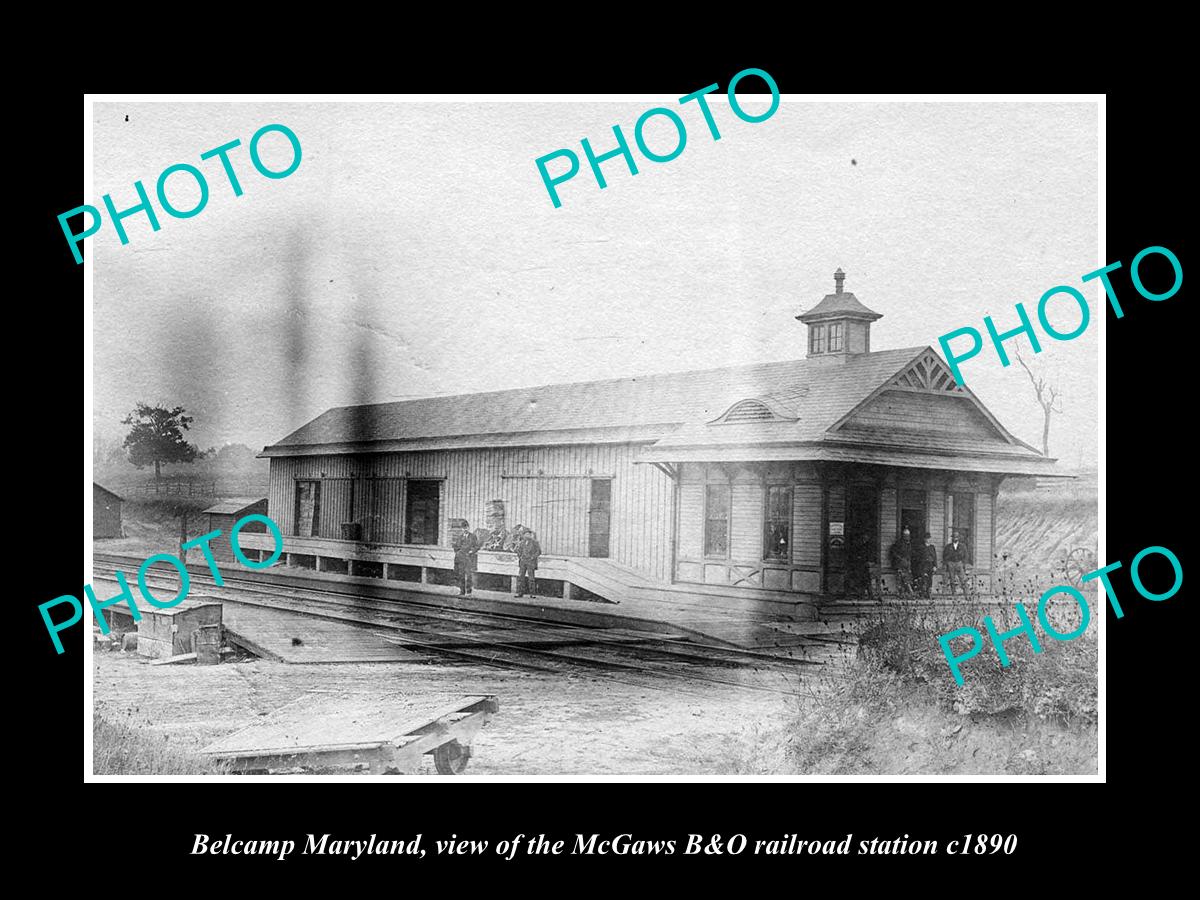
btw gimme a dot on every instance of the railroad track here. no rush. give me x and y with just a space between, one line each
504 640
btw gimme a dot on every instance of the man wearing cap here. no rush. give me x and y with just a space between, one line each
466 552
954 557
528 551
902 554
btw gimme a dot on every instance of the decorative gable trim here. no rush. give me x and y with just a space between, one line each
753 411
926 367
927 374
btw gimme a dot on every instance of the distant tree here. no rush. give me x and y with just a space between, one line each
157 436
1049 398
107 452
236 455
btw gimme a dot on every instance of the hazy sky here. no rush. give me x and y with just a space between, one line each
415 251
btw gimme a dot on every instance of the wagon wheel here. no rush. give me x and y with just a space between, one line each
1079 562
451 758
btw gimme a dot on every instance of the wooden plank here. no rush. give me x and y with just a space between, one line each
251 647
333 758
298 750
273 632
403 755
172 660
319 722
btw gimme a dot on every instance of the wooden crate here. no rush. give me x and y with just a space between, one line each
168 632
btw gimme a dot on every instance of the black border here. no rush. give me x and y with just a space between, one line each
1147 403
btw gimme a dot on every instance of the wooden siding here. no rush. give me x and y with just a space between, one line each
222 549
563 501
552 499
806 525
935 508
691 512
106 514
746 525
745 565
983 528
911 410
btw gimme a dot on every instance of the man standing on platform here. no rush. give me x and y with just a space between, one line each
528 551
954 557
923 566
466 553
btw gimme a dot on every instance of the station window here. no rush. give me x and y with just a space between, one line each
960 513
716 520
777 523
835 337
816 339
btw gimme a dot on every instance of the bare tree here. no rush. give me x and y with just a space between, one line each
1049 398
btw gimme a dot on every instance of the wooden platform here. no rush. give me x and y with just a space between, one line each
380 731
639 594
745 628
272 634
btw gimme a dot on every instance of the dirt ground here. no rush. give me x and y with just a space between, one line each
547 724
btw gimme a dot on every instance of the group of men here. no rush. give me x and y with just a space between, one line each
523 543
915 565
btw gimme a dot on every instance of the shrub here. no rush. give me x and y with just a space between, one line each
1058 684
121 748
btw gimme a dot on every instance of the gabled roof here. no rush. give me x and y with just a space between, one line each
107 491
234 505
644 408
682 416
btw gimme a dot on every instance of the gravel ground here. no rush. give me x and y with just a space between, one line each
547 724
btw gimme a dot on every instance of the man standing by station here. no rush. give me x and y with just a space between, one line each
466 553
528 551
954 557
924 565
902 554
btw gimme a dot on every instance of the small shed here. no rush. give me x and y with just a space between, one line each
168 632
106 513
226 514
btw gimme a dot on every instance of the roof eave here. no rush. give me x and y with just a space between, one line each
613 435
819 451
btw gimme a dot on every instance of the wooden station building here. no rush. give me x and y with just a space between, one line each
224 515
779 482
106 512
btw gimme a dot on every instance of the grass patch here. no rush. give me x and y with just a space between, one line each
122 748
897 709
1056 685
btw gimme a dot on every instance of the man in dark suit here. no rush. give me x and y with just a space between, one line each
466 553
924 565
528 551
954 557
902 554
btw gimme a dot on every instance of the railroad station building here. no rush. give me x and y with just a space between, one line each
106 512
773 483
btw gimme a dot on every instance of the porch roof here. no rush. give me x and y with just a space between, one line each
982 458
